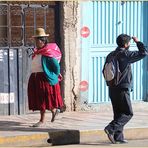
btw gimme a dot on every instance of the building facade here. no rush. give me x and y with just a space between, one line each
85 33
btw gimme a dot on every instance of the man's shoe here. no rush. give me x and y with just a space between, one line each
110 136
121 141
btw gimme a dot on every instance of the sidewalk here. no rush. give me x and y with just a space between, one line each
88 126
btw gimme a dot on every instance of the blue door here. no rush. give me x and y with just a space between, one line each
106 20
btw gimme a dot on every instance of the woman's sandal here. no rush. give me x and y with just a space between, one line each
38 124
54 114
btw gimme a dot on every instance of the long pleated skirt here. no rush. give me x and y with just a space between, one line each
42 95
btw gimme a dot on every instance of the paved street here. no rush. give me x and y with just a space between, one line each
131 143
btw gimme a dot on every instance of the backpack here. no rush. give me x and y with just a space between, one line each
111 70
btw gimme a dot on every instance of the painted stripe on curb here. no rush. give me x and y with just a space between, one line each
23 138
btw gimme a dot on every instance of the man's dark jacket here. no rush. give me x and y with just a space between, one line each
126 58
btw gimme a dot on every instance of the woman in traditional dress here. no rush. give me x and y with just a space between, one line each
43 86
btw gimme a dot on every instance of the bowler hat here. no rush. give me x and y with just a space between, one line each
40 32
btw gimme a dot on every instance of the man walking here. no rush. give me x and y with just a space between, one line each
120 94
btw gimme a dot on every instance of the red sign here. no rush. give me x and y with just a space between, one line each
83 85
85 32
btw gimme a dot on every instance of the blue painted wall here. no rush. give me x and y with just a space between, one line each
106 20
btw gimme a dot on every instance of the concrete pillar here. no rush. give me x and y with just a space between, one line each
70 34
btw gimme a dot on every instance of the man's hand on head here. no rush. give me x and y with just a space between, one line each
135 39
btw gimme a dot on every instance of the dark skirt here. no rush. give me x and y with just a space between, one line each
42 95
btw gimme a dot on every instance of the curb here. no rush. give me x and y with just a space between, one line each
100 136
70 137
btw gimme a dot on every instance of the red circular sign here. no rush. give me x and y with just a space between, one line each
85 32
83 85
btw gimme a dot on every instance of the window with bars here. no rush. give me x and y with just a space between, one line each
19 22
